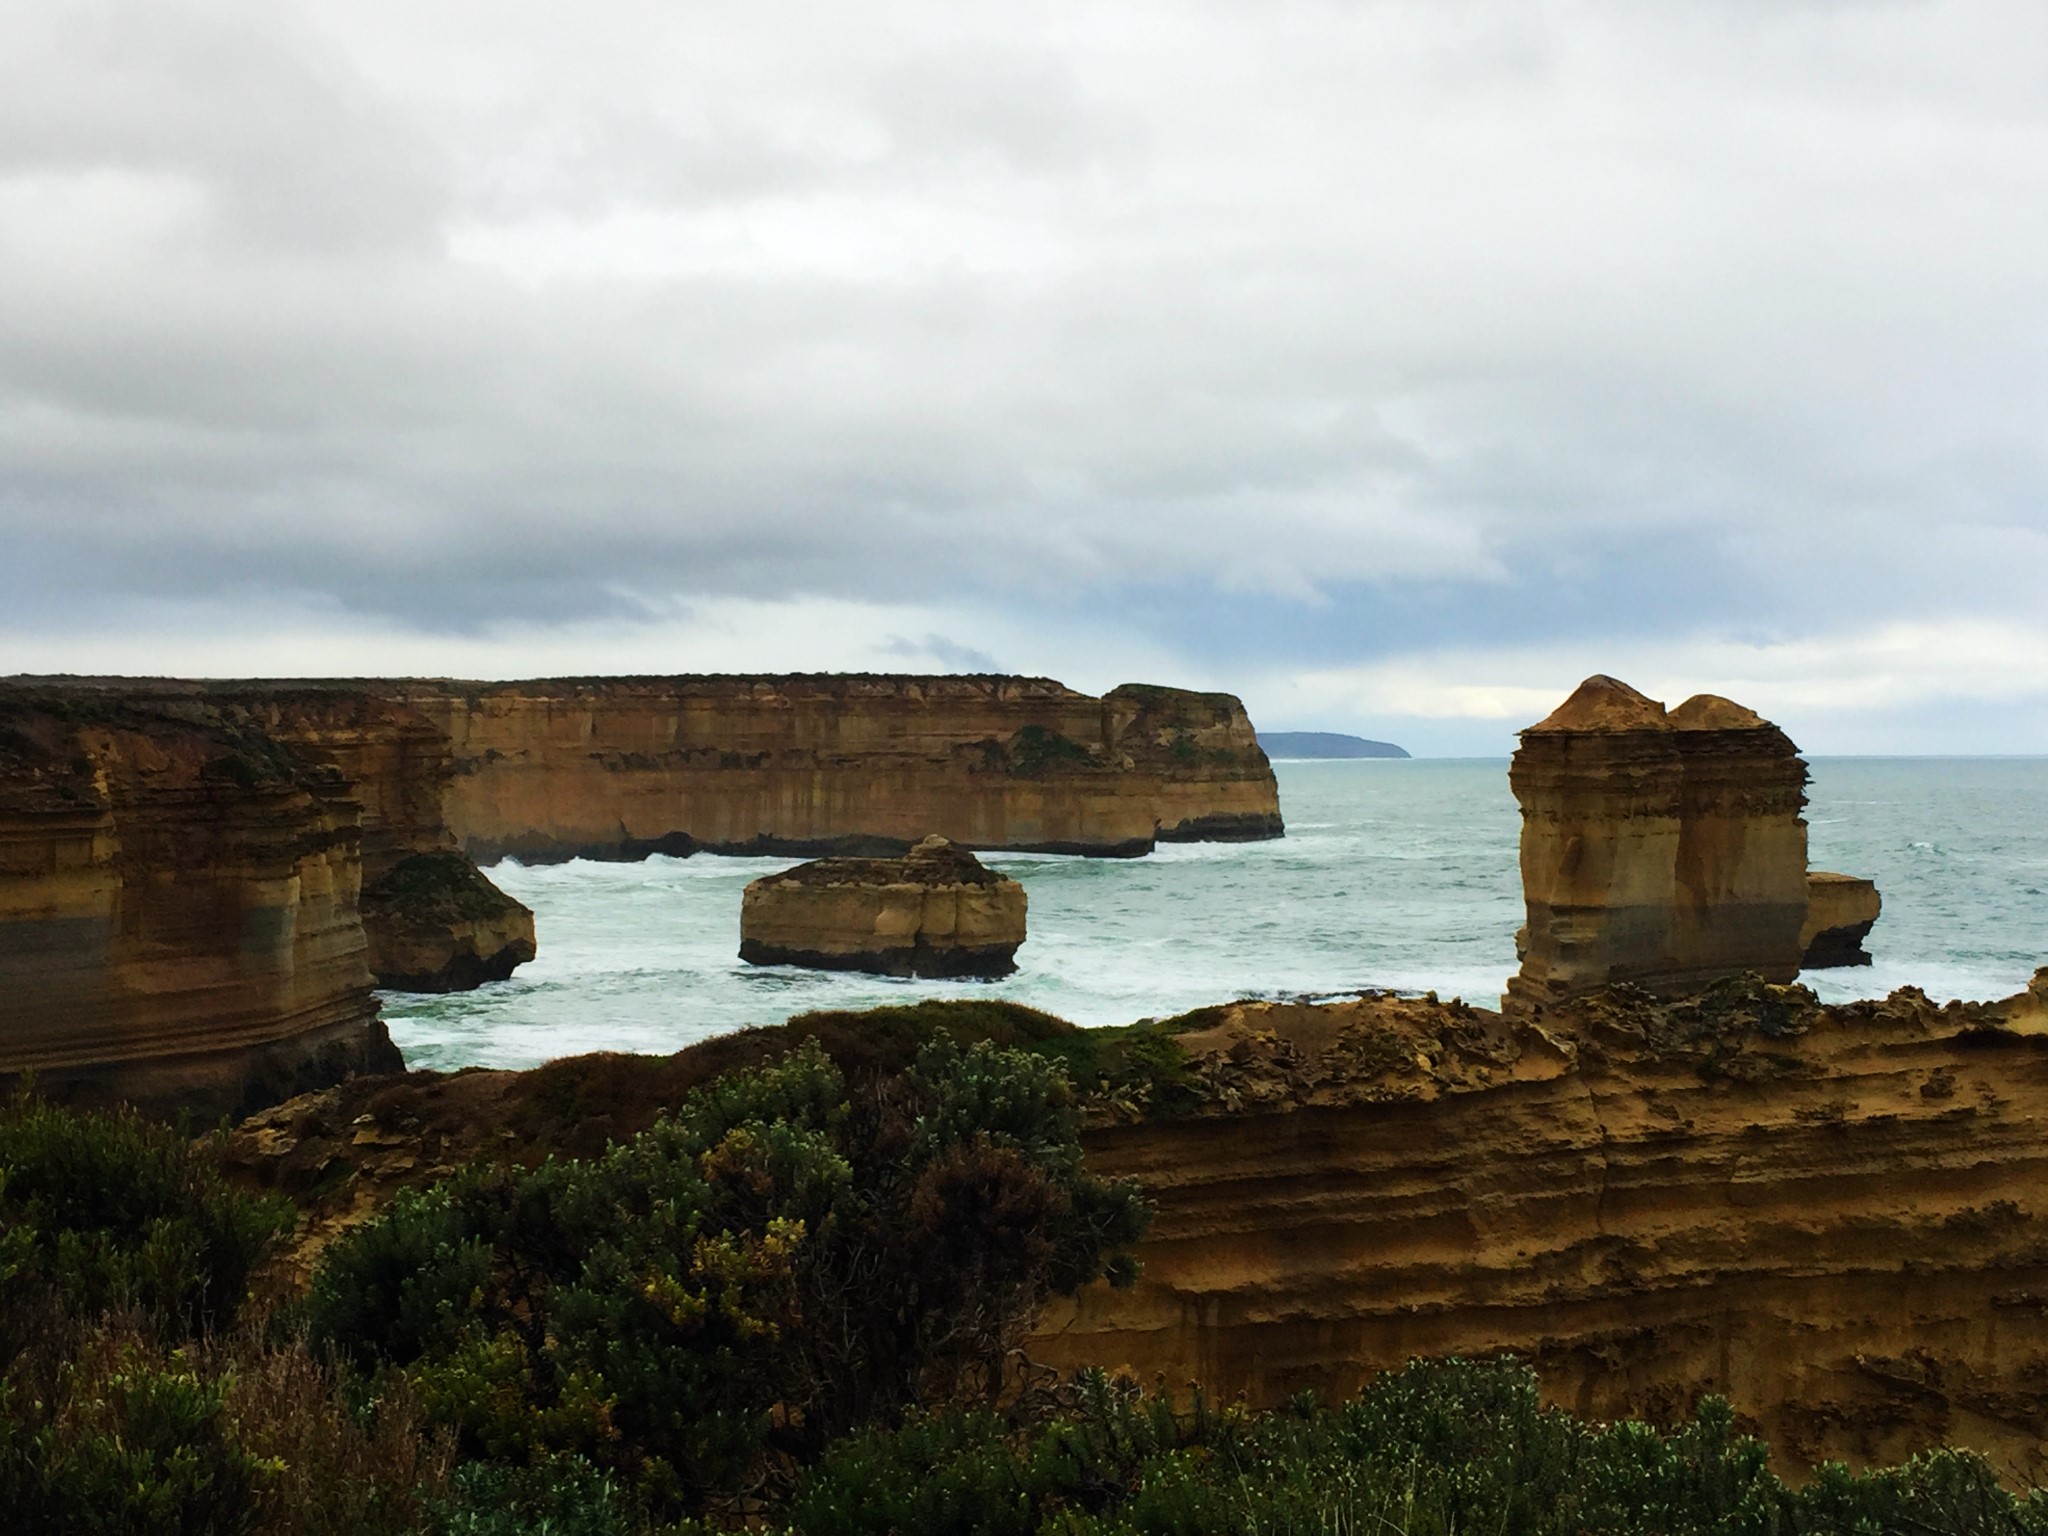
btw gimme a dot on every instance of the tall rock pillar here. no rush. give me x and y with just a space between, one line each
1663 849
1601 785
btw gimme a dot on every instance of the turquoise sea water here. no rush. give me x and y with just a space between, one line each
1392 874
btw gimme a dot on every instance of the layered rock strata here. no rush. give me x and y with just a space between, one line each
809 765
937 911
1660 849
178 920
433 921
1840 912
1834 1216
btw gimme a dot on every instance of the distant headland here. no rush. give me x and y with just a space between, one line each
1325 744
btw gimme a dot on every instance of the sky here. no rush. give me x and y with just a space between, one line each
1393 364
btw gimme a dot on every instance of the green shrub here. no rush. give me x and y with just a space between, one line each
1436 1449
105 1211
777 1262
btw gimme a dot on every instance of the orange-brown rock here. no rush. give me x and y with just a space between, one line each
436 924
1836 1216
1840 912
806 765
937 911
178 922
1660 849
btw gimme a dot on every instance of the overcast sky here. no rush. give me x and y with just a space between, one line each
1391 363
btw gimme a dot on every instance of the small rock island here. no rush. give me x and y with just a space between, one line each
937 911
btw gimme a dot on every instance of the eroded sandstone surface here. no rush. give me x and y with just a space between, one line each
178 921
1660 849
1834 1215
937 911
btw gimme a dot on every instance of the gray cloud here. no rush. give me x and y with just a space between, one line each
1409 322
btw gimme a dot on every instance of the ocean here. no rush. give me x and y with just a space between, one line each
1393 874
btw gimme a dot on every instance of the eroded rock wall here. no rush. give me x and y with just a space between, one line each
618 768
178 921
1661 849
1834 1216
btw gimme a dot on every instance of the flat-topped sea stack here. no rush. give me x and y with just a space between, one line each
178 920
1840 911
1662 849
617 768
937 911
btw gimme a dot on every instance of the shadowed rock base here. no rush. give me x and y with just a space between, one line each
1840 912
977 962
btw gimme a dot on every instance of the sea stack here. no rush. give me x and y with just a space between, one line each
1662 849
937 911
436 924
1840 910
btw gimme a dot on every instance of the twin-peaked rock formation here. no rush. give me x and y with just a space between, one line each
1663 849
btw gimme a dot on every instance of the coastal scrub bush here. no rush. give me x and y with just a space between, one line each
109 1211
779 1261
1432 1450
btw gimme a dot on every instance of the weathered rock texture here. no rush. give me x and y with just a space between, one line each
435 924
178 922
624 767
1836 1216
1660 849
1840 911
937 911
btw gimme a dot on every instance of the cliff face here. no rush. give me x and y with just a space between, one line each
937 911
1835 1216
1663 850
619 768
178 919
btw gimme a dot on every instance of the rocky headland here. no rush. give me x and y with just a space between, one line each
859 765
1312 745
937 911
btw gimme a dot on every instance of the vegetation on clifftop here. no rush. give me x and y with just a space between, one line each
791 1304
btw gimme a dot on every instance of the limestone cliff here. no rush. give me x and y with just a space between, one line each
1835 1216
937 911
178 920
1663 850
433 921
807 765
